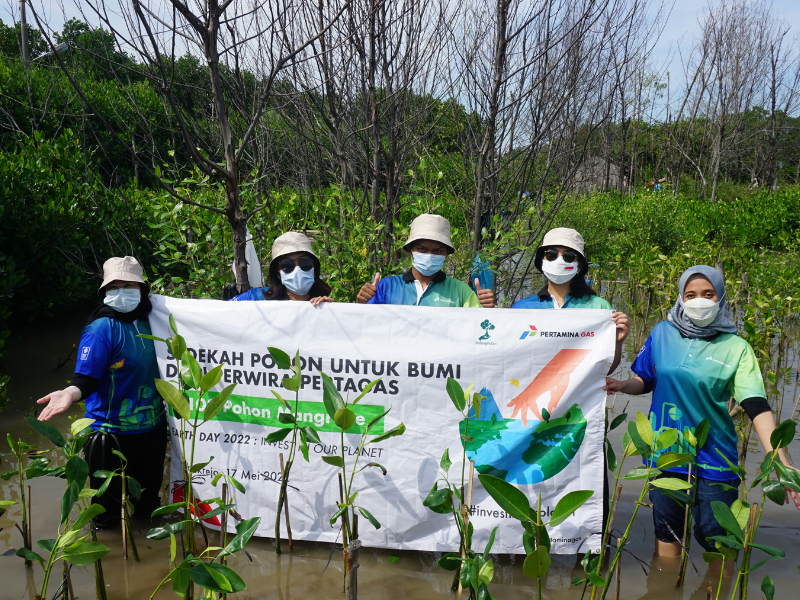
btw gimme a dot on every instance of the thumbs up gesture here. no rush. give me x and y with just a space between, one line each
485 297
368 290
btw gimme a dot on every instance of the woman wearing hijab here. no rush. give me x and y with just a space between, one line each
115 375
560 258
293 273
693 363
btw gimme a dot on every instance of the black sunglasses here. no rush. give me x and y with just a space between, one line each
551 255
287 265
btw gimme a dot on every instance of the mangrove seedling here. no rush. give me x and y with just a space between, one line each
535 538
300 435
72 544
341 413
193 404
740 521
641 440
450 498
131 489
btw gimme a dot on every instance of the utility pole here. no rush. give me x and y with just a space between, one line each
24 31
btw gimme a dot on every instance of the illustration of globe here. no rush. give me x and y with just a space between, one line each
518 454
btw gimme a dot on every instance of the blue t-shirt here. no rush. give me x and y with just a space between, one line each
441 291
126 400
692 380
543 299
250 295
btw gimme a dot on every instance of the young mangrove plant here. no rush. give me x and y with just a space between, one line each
300 435
740 521
641 440
451 498
192 403
131 490
535 538
341 413
71 544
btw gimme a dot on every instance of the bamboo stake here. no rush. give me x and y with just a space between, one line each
465 517
684 554
30 522
344 536
286 510
224 529
606 539
124 529
351 570
69 585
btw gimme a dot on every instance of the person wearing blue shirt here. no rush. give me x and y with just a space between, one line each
426 283
294 273
560 259
694 363
115 374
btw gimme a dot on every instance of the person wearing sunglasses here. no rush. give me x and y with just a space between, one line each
425 283
560 259
293 273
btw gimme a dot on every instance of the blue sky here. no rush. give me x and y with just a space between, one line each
682 26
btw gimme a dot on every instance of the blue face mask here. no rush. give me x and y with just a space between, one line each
123 300
427 264
298 282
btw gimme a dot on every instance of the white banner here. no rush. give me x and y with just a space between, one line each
525 361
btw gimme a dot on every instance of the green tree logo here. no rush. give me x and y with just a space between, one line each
487 327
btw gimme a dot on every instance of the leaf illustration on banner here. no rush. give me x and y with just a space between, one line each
553 378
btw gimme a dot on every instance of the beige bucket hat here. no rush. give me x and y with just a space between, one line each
430 227
291 241
562 236
123 269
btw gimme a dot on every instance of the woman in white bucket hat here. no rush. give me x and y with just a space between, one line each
425 283
293 273
560 258
115 375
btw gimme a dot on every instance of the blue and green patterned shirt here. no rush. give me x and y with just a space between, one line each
126 400
692 380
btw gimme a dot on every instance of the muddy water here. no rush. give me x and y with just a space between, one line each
313 571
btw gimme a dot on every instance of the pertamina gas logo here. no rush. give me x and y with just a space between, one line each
559 334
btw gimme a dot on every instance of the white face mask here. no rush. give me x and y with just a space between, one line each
298 282
559 271
427 264
701 311
123 300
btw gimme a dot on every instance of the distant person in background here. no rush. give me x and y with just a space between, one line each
293 273
426 283
560 259
115 375
693 363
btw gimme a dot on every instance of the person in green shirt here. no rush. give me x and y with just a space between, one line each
693 363
425 283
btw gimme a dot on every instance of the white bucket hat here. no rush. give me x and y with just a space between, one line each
561 236
291 241
430 227
122 269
